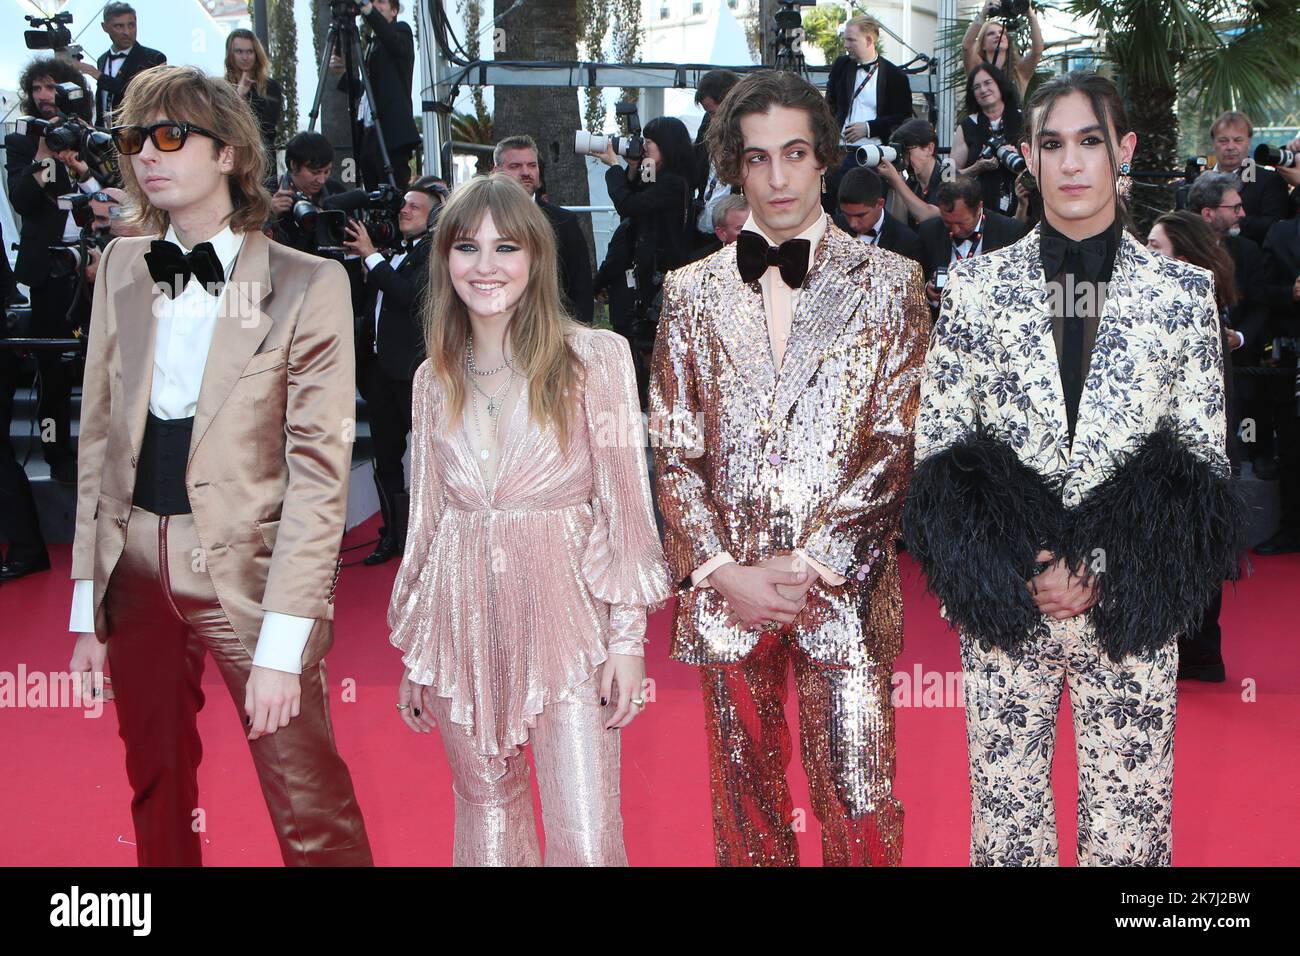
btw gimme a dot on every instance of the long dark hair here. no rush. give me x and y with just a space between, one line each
60 71
677 152
1194 240
1107 107
1010 95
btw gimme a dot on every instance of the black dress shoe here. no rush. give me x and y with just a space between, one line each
387 549
14 568
64 472
1285 541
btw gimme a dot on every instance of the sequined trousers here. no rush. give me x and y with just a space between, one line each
577 775
846 733
1124 741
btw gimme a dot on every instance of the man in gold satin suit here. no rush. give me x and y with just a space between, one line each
215 446
782 401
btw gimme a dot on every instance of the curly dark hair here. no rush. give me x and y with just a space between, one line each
60 71
758 93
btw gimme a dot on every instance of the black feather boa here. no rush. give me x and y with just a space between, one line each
1162 532
975 518
1159 535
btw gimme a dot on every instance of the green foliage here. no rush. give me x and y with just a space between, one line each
283 34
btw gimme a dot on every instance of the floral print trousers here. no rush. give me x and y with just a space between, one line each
1124 736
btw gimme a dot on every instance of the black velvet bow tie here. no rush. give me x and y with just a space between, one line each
1089 256
172 268
754 255
117 56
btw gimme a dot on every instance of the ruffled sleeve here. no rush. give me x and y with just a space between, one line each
427 503
624 563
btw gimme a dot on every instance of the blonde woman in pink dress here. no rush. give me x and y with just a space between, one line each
532 555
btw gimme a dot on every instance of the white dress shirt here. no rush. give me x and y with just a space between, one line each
112 67
373 260
185 326
863 109
71 231
714 192
962 249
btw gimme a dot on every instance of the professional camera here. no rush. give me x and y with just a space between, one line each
345 8
324 227
1275 156
93 146
1005 153
1011 9
630 146
872 156
1195 166
55 36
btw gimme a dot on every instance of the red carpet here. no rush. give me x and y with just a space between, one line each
1237 788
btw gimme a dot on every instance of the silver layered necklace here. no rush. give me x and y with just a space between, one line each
495 399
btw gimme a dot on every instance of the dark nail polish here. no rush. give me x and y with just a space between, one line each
603 702
416 711
248 721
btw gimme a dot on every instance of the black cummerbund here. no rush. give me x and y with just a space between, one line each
160 480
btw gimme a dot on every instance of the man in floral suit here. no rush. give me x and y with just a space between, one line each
1072 504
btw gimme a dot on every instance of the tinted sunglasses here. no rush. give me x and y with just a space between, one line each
167 136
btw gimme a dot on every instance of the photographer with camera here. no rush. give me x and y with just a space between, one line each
988 40
309 160
869 95
923 171
49 260
985 144
964 228
118 66
518 158
653 195
389 62
862 214
390 346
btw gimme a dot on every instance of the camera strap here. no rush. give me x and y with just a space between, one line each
871 71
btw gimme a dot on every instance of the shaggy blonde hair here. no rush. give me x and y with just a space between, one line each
185 94
540 326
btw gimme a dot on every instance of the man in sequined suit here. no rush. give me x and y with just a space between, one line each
782 399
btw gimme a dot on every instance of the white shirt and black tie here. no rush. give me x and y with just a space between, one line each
183 339
863 108
112 67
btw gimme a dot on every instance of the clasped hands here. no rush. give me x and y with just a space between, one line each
1059 592
771 591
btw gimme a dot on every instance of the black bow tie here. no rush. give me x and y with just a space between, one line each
172 268
870 233
1089 256
117 56
754 255
973 239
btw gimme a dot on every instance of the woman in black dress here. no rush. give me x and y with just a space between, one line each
248 70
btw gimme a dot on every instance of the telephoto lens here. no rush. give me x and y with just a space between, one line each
1275 156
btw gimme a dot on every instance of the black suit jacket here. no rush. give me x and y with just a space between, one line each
137 61
43 220
575 260
1265 200
999 231
895 236
893 95
1281 267
1249 314
390 64
401 332
267 109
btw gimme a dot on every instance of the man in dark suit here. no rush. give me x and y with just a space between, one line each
869 96
516 156
389 61
709 190
862 214
60 299
1282 273
1264 196
390 349
115 68
964 229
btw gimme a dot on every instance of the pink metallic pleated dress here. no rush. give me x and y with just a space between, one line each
510 598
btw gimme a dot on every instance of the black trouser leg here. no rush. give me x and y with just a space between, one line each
19 525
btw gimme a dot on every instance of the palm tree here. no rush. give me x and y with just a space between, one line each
1226 53
468 128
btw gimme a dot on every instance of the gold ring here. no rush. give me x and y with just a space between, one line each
639 701
403 706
